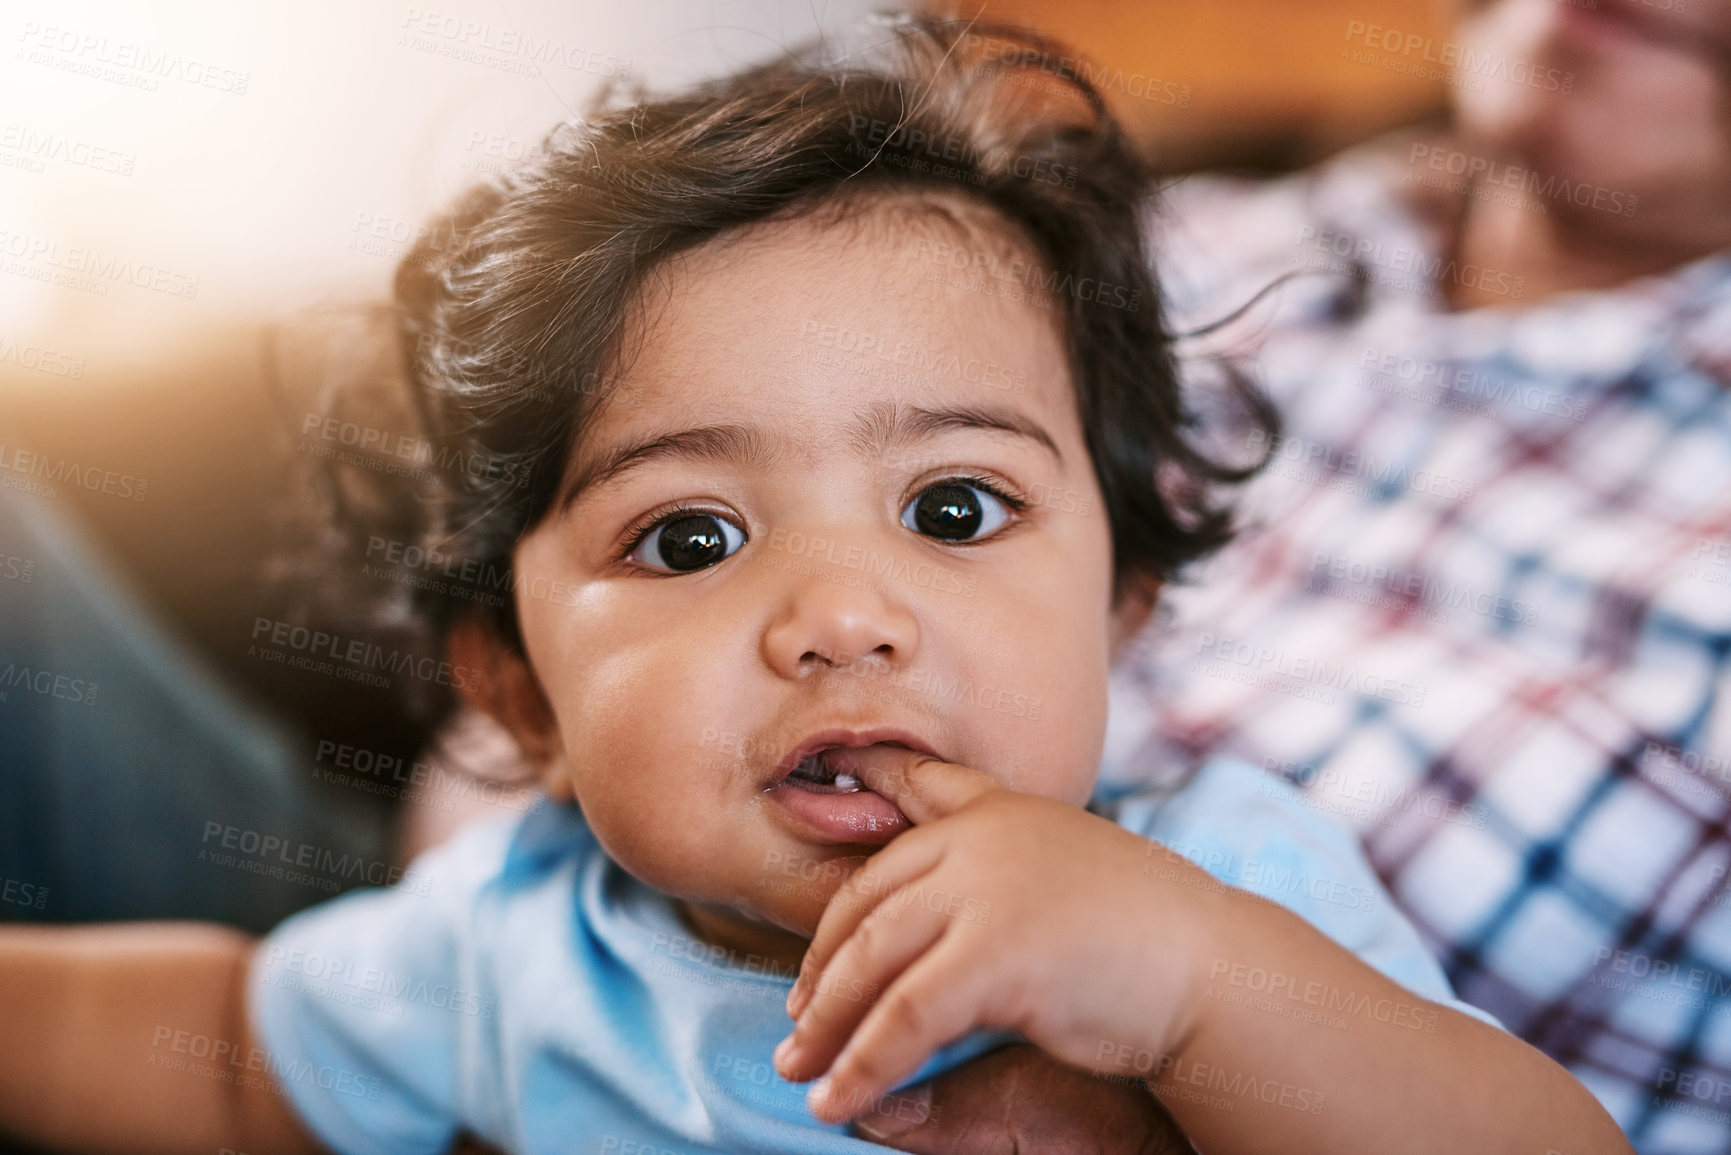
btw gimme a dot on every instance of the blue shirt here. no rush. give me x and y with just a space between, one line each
520 985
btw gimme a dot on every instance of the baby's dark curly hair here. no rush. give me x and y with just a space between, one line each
511 310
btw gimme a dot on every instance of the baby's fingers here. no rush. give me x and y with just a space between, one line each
881 947
934 1001
899 864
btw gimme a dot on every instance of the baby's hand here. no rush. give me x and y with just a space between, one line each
998 910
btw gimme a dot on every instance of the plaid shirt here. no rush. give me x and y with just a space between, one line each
1481 610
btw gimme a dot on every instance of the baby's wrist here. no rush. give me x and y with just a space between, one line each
1212 922
1160 1032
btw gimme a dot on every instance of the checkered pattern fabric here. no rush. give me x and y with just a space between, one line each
1481 610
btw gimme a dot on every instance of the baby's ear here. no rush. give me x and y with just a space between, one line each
504 687
1135 604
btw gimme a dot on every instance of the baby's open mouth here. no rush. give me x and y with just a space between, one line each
825 773
819 791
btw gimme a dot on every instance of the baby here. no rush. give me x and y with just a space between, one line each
841 448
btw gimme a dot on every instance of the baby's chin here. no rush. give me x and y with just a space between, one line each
800 921
779 906
748 935
797 912
772 891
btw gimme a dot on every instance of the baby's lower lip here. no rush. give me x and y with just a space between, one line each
860 818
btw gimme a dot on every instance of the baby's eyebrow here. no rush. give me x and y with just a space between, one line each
727 444
875 431
885 426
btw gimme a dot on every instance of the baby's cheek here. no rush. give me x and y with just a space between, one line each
670 834
1054 748
665 846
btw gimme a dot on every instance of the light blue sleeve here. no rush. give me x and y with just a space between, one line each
362 1003
1253 831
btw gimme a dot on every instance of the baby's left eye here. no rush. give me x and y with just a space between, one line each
955 511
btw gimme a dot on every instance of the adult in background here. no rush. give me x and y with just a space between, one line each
1482 605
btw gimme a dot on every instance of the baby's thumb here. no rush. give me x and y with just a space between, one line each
923 787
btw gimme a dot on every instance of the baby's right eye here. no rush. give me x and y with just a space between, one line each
687 541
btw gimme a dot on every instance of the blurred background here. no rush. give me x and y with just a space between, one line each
186 186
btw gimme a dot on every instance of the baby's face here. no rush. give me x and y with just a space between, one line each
797 530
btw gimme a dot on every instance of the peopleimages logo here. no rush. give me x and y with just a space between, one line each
352 658
1046 284
1398 267
1421 589
1315 671
46 683
1476 170
23 893
864 559
1418 55
40 359
1461 387
1712 561
1353 471
504 48
122 62
250 848
25 147
327 976
410 449
1176 1077
1139 85
232 1062
39 468
1369 801
1263 877
88 270
1412 1016
922 361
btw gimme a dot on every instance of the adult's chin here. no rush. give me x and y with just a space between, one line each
1501 115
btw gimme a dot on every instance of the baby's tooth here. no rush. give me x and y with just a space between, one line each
846 782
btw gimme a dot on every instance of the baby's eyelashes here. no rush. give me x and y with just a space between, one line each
960 509
685 541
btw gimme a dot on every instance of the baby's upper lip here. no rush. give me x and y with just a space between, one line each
832 738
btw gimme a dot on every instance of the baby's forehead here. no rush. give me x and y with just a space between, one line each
801 324
907 214
874 281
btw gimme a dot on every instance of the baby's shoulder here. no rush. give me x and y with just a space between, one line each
1226 801
1252 830
401 990
493 859
433 909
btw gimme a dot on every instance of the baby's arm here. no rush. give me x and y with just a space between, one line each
134 1038
1384 1070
